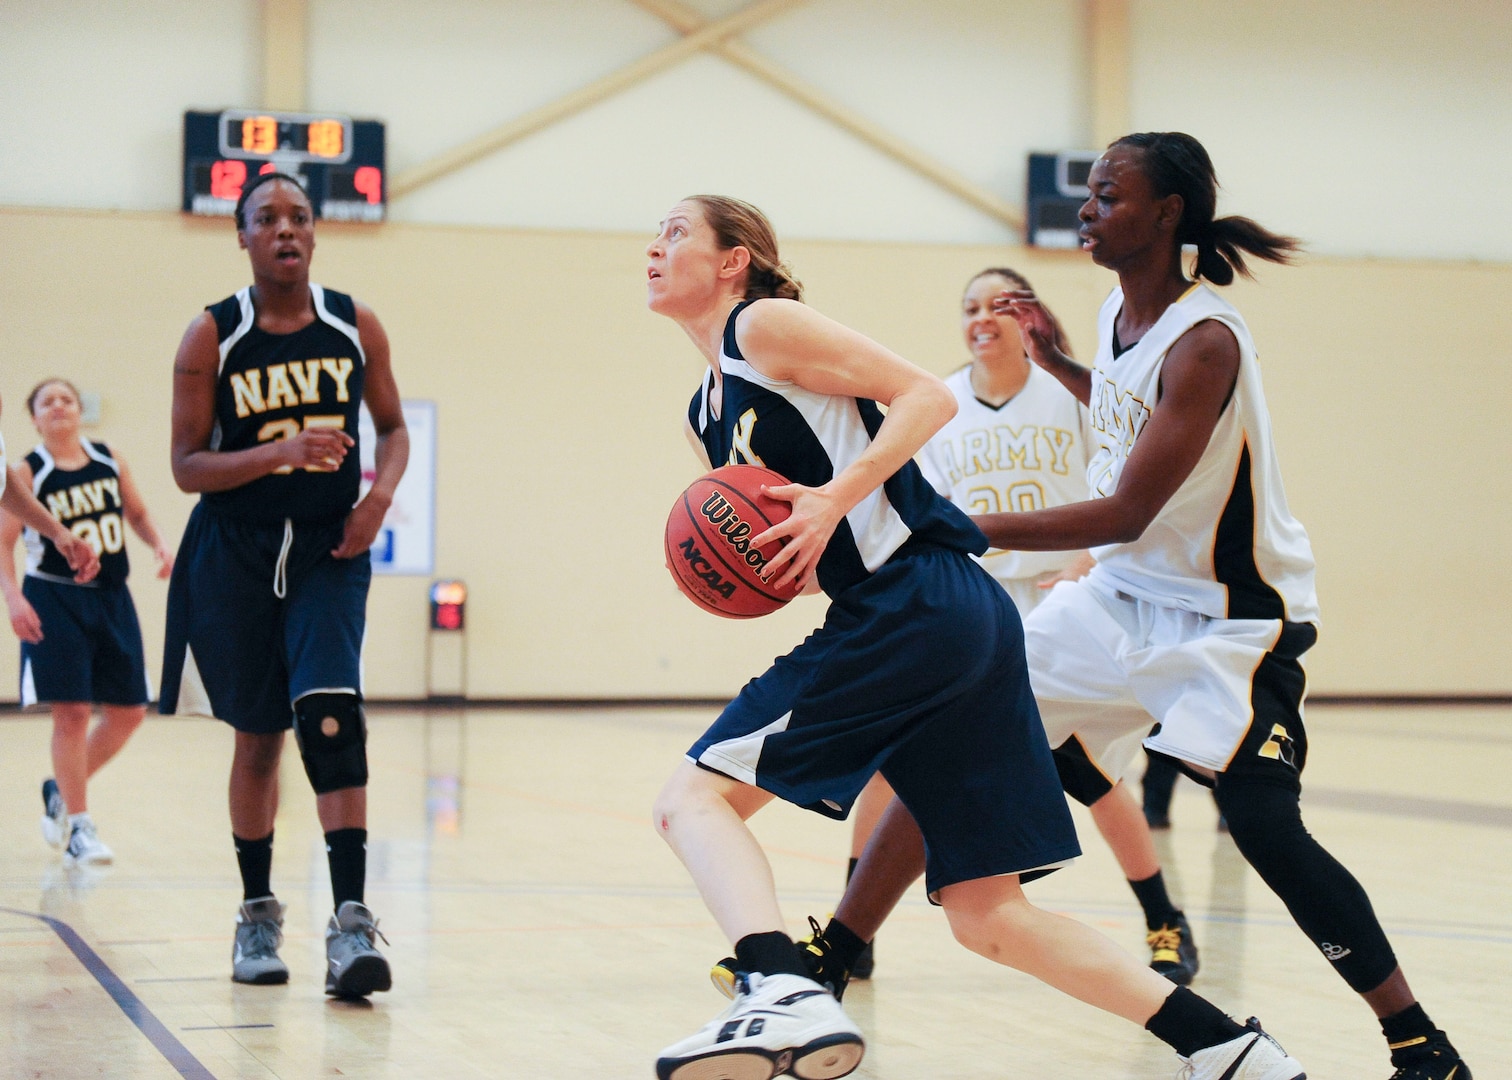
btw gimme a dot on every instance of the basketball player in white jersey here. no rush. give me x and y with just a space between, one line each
1202 601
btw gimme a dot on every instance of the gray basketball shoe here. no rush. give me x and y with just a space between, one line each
354 966
259 933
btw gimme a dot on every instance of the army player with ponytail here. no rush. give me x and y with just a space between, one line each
267 605
1202 601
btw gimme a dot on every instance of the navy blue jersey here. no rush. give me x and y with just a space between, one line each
810 437
88 501
272 386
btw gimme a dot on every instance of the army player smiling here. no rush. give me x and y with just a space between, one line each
268 601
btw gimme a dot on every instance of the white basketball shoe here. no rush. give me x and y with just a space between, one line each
84 845
1252 1056
776 1024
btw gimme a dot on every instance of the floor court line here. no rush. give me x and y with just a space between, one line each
177 1054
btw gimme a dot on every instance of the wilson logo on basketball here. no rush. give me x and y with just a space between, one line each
718 512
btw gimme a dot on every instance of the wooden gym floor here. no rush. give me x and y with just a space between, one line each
540 929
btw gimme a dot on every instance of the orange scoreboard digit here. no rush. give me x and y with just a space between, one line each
340 161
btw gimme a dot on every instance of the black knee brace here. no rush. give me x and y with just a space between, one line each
1079 778
332 737
1324 898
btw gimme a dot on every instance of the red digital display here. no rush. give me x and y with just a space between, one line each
227 178
369 181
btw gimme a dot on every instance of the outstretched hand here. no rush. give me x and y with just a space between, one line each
1034 322
807 530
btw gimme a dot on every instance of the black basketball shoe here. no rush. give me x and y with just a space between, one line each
1173 951
1431 1058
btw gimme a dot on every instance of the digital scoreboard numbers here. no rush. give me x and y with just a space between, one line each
340 161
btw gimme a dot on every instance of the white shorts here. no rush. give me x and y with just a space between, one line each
1106 667
1024 592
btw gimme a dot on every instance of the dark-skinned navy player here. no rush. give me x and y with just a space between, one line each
267 606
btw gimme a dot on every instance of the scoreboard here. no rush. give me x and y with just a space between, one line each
340 161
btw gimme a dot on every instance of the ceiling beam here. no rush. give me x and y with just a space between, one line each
285 48
690 22
1108 54
575 102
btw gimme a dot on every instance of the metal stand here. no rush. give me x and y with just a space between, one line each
459 637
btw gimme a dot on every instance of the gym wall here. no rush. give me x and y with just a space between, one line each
513 290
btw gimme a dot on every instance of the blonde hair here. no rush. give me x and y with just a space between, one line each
739 224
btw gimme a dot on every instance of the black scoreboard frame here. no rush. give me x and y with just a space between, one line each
340 161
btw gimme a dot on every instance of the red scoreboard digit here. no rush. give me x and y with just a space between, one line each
340 161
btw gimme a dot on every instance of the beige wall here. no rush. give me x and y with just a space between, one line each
560 401
1365 126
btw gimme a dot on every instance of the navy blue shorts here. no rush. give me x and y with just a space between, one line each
918 671
237 650
91 647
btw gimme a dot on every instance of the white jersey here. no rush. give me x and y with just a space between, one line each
1026 454
1225 545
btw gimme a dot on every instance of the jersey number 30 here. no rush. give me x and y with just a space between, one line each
103 534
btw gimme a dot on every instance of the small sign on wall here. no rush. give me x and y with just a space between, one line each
406 543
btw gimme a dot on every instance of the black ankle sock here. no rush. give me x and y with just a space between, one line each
1409 1027
255 859
844 945
1152 896
346 851
1188 1023
771 953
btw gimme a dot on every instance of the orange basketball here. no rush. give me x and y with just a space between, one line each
708 542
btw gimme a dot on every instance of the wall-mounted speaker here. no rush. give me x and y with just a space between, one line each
1057 188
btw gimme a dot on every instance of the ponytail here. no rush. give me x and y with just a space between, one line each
1177 164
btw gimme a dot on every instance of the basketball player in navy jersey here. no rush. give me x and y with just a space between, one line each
1202 601
267 606
918 671
1019 440
18 501
81 645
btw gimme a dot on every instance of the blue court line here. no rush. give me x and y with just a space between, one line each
158 1035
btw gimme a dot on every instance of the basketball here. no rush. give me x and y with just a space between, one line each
708 542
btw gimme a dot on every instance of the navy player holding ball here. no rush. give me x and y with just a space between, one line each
917 671
267 606
81 644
